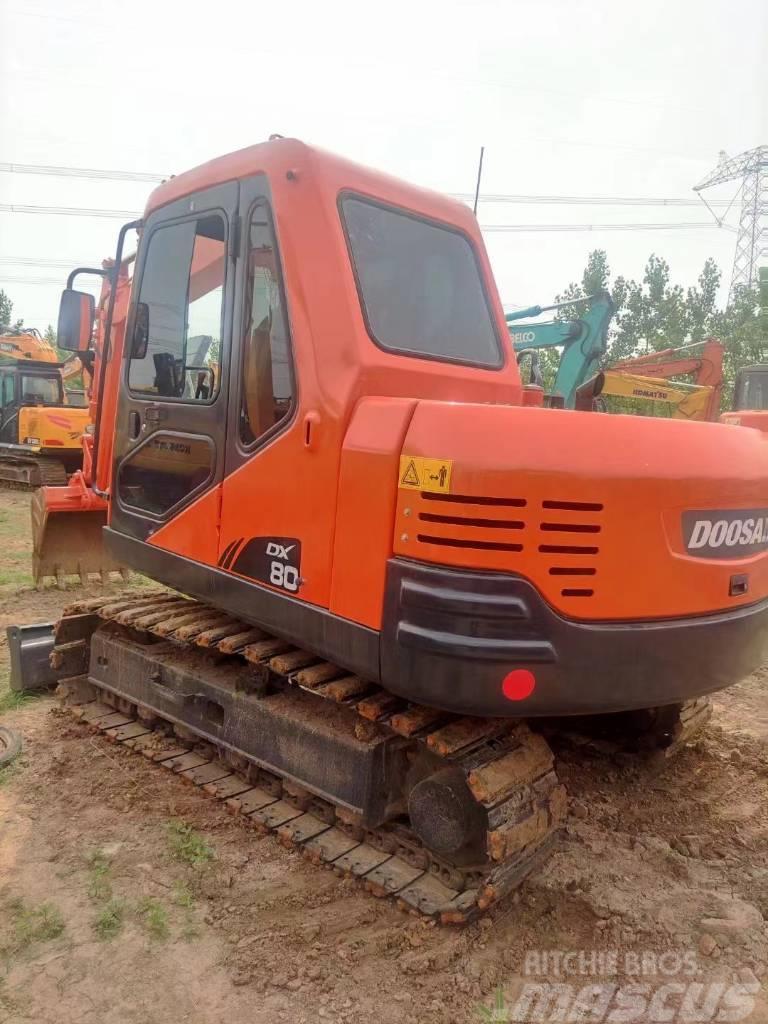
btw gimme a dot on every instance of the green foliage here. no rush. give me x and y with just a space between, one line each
155 918
187 845
6 313
496 1014
183 895
654 313
110 920
11 700
99 885
28 925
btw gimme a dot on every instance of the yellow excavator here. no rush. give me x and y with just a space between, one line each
41 422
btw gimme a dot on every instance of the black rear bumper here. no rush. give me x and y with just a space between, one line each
450 637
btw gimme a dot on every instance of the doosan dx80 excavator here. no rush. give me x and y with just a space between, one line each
387 566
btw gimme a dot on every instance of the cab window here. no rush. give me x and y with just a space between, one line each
267 372
7 388
420 285
40 390
179 312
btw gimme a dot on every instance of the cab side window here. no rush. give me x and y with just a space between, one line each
7 390
267 388
177 334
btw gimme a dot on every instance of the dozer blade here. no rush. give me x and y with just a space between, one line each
67 541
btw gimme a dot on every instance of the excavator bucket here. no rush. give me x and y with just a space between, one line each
66 537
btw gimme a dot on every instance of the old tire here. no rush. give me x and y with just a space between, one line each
10 745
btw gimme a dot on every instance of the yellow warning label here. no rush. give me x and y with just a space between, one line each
419 474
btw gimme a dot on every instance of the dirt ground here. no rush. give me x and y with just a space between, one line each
126 896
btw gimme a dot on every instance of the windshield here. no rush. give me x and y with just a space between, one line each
40 390
420 285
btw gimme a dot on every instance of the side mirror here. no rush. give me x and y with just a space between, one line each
140 339
75 327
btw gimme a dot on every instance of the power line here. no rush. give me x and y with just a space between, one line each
31 261
684 226
60 281
82 172
523 200
69 211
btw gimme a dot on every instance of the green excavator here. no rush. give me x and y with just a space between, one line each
583 342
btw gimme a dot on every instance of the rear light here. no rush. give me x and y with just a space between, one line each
518 684
52 442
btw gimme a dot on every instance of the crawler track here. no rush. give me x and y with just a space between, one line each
508 769
28 472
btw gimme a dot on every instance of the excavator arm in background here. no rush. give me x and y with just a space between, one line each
583 341
705 367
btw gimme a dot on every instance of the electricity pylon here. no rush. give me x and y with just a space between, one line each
751 168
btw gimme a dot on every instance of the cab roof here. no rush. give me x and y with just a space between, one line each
279 156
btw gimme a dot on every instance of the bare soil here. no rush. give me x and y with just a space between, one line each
657 859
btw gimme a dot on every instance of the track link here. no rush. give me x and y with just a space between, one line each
508 769
28 472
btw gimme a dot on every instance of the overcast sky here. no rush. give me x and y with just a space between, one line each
570 98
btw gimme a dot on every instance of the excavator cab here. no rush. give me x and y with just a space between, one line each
751 388
750 399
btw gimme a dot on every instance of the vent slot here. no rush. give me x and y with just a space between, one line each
575 592
573 506
466 499
570 527
567 549
491 524
561 570
481 545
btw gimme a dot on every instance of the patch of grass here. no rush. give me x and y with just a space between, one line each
29 924
155 918
183 895
188 845
99 885
8 771
11 700
110 920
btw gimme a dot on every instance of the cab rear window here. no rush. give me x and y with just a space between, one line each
420 286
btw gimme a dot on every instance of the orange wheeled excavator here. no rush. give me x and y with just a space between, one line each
387 567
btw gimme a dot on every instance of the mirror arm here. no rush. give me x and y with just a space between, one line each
134 224
85 270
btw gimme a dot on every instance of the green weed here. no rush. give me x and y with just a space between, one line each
99 885
155 918
29 925
183 895
110 920
187 845
11 700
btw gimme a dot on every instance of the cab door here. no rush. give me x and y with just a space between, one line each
170 434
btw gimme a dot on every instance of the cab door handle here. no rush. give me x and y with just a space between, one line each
311 429
134 425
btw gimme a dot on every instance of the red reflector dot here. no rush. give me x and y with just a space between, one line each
518 684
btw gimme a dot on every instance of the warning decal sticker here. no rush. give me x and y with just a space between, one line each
418 474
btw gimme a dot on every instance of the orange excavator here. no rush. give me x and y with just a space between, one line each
388 567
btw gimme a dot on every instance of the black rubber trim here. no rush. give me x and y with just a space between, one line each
341 641
450 637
